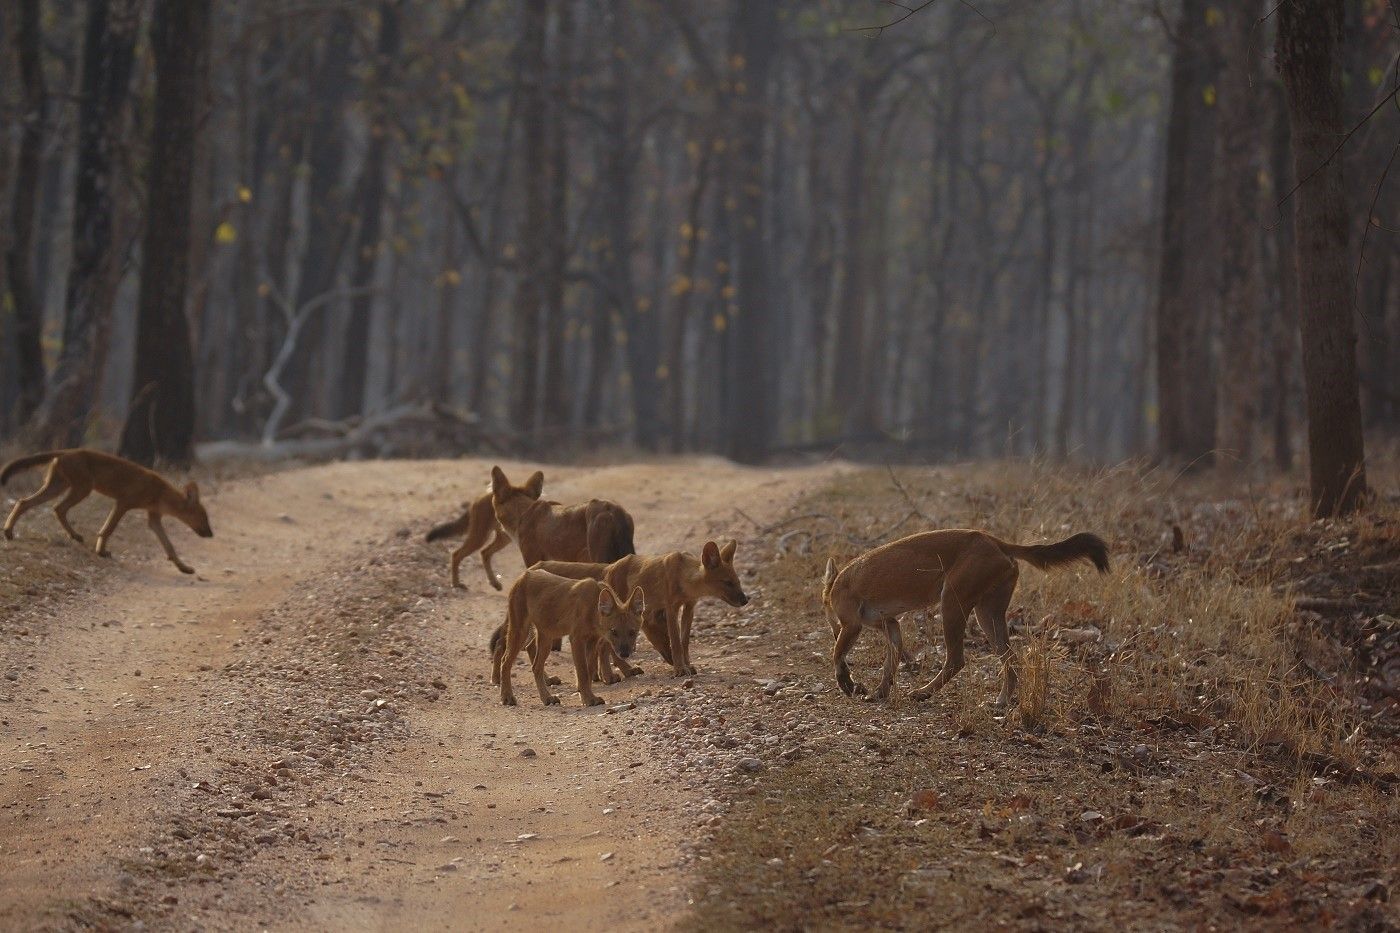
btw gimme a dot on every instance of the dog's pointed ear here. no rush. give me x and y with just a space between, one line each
830 576
709 555
192 493
726 553
607 601
499 483
535 484
638 601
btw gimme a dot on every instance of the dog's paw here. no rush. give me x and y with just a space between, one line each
185 568
9 535
458 585
594 701
495 583
858 689
633 672
76 537
507 701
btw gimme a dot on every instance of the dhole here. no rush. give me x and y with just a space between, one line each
543 608
476 522
596 531
672 583
961 569
82 472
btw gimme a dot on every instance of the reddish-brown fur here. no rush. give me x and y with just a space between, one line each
962 570
80 473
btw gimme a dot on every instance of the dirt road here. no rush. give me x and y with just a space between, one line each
304 736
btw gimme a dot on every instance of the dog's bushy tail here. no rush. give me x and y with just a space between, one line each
1083 546
24 463
450 529
477 522
498 638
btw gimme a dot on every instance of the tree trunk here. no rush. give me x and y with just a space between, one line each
99 240
327 231
620 181
1309 56
19 254
556 394
533 236
449 280
1283 329
750 375
354 377
1185 394
179 41
851 380
1241 101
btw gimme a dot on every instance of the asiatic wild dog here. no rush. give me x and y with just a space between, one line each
598 530
544 608
673 583
476 522
80 472
961 569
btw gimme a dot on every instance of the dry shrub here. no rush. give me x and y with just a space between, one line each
1039 657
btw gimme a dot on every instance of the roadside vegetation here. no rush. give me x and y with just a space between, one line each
1208 735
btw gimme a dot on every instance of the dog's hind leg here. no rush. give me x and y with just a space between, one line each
991 614
497 545
894 648
54 486
75 495
954 628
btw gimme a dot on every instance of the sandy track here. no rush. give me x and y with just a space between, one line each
428 832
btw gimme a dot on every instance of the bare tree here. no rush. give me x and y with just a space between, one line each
1188 289
354 381
1310 60
1242 100
164 355
749 380
99 237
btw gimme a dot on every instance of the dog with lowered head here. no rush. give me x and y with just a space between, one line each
543 608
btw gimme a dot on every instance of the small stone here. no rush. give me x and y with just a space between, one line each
527 753
750 764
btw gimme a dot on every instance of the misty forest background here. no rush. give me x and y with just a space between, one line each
1083 229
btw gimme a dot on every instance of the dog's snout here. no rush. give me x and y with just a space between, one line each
207 533
743 599
625 651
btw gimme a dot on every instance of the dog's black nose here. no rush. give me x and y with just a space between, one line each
625 651
207 533
743 600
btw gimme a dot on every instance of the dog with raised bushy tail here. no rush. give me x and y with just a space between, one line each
963 571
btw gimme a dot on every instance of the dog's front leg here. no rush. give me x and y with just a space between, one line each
687 619
585 655
159 531
542 650
673 634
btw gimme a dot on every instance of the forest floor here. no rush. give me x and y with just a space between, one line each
303 736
